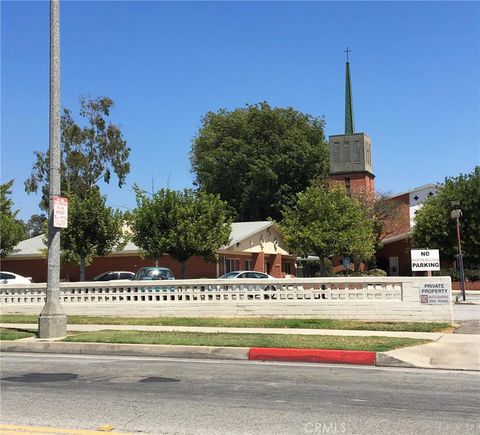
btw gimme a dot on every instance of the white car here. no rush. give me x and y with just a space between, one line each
249 274
13 278
243 274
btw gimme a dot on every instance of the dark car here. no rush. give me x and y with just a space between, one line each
114 276
153 273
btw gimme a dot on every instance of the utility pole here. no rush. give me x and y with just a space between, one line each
52 321
456 214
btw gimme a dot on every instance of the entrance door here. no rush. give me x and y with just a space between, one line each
393 266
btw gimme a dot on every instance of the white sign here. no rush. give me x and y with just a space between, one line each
60 212
434 293
425 259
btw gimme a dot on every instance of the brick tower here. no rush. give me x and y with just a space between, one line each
351 153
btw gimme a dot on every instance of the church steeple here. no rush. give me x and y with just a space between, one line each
351 153
349 124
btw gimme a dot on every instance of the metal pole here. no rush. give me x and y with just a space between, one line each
52 322
460 261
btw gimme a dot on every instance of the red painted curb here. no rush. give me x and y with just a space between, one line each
312 355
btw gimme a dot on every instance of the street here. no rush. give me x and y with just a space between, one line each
172 396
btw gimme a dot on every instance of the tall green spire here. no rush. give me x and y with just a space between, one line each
349 124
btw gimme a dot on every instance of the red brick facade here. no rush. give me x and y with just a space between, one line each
276 265
358 183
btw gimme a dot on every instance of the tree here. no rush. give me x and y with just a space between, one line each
37 224
385 214
89 153
327 223
93 230
258 158
12 229
181 224
435 229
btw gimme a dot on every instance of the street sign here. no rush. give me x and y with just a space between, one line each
434 293
425 259
60 212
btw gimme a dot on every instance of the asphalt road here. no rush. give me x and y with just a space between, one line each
162 396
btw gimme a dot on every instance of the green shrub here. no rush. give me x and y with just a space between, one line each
377 272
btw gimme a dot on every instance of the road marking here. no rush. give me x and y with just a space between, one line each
13 429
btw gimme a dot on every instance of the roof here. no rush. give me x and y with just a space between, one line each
30 247
240 231
243 230
416 189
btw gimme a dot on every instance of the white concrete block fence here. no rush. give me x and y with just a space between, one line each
360 298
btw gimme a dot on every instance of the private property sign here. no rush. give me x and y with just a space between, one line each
434 293
425 259
60 212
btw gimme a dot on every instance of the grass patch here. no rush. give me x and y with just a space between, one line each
15 334
376 344
241 323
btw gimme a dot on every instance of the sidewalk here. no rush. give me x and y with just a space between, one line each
448 351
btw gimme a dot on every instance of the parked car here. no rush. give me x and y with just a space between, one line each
249 274
13 278
114 276
153 273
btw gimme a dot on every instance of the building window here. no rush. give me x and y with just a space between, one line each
347 185
393 266
336 152
287 268
248 264
346 153
231 264
358 154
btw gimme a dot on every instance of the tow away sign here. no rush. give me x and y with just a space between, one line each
434 293
60 212
425 259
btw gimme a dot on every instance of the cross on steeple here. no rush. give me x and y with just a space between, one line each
347 51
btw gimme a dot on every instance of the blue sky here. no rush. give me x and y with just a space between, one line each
415 76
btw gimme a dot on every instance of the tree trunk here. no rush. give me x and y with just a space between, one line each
321 260
82 269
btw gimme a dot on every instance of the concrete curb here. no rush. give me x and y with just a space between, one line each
153 350
202 352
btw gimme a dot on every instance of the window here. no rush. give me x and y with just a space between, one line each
287 268
336 152
358 154
6 276
248 264
229 265
393 266
346 152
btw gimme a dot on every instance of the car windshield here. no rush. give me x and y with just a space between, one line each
156 274
229 275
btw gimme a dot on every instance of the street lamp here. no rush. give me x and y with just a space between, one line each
457 214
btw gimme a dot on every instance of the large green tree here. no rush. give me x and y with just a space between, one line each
181 224
258 158
327 222
37 224
12 230
435 229
93 230
91 151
